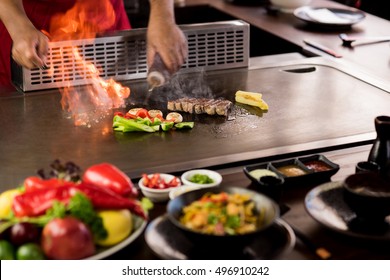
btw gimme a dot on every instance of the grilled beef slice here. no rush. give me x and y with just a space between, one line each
220 107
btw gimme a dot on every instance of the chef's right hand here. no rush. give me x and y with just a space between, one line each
30 48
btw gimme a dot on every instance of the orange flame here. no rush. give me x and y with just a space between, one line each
84 21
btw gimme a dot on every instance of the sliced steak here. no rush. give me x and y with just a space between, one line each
211 106
223 107
208 106
178 106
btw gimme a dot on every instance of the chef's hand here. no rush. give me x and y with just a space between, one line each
30 47
168 41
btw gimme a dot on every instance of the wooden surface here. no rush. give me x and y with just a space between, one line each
341 247
373 59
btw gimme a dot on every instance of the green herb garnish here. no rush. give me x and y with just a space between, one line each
201 179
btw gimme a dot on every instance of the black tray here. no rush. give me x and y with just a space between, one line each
311 176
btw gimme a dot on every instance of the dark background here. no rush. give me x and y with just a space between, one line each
138 10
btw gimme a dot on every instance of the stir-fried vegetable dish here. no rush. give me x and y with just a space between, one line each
222 214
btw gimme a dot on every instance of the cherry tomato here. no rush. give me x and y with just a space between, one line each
155 181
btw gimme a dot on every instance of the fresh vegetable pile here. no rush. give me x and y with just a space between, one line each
66 214
140 119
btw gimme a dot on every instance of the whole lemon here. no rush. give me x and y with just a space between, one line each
6 199
118 223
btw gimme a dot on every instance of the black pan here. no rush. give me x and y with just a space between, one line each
263 203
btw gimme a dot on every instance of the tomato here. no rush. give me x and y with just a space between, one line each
155 181
30 251
6 250
174 182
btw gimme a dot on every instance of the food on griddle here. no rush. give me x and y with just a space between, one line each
174 117
134 111
155 113
142 120
208 106
184 125
252 99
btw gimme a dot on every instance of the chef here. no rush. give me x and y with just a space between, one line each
22 21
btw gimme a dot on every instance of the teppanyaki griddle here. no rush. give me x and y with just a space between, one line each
314 104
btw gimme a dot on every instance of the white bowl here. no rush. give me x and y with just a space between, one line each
215 176
158 195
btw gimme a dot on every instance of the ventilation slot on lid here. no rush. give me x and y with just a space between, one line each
122 56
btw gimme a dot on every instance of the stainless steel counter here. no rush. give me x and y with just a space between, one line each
315 105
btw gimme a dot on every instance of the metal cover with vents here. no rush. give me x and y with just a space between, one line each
122 56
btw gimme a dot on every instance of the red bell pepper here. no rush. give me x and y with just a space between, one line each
37 202
34 183
106 199
106 175
143 113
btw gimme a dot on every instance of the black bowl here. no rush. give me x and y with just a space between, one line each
263 203
271 186
368 195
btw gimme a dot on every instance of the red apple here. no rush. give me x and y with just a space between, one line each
67 239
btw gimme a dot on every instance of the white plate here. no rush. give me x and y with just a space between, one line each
332 17
103 252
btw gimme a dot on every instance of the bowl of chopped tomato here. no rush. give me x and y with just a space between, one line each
157 186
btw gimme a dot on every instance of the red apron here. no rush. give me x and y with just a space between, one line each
40 13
